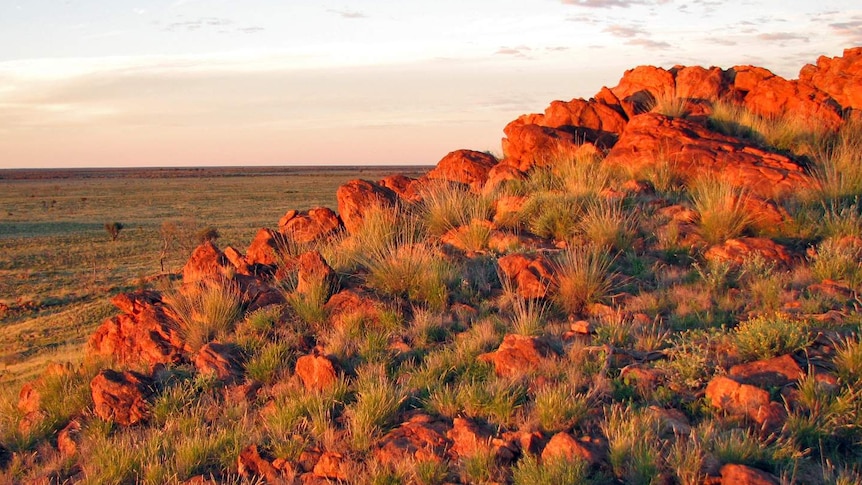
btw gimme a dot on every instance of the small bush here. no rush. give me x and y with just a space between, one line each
445 206
838 165
113 229
206 311
836 260
606 225
559 407
378 400
552 215
722 210
529 471
583 277
634 452
769 336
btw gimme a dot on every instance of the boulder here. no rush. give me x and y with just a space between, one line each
564 446
68 438
839 77
737 251
206 262
333 466
532 275
313 272
224 361
528 145
696 152
518 355
121 397
420 438
591 121
701 86
743 399
468 438
772 96
774 372
317 372
264 248
314 225
501 173
250 464
464 166
405 187
734 474
357 196
352 303
146 333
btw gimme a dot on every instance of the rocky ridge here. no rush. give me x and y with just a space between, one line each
621 128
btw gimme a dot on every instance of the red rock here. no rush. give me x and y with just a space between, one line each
640 87
839 77
313 272
405 187
507 208
357 196
769 95
468 438
317 372
696 151
238 260
148 333
737 251
591 121
532 274
774 372
734 474
314 225
564 446
222 360
206 262
332 465
352 303
700 85
420 438
251 464
744 399
517 355
501 173
136 302
68 438
121 397
464 166
264 248
528 145
29 398
673 421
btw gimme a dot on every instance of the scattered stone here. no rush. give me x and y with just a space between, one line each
532 274
565 446
313 273
737 251
357 196
743 399
316 372
333 466
250 464
68 438
305 227
121 397
774 372
464 166
734 474
221 360
518 355
420 438
264 248
206 262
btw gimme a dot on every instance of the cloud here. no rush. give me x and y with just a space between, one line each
348 14
624 31
782 37
139 11
649 43
197 24
250 30
851 29
519 51
722 41
612 3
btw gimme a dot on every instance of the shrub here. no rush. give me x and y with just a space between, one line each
722 210
633 444
113 229
842 219
552 215
378 400
446 205
838 165
266 364
836 260
606 225
559 407
686 459
792 133
529 471
583 277
769 336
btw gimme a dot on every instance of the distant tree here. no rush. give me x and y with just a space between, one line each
113 229
208 234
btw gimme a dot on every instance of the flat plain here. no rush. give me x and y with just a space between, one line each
59 265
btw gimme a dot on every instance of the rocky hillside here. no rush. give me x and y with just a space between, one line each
655 285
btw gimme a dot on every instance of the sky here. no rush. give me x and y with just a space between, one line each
117 83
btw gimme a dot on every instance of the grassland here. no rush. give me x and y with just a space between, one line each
58 264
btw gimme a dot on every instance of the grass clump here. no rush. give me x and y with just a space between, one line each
446 205
837 260
769 336
838 164
722 209
206 311
583 277
529 471
378 400
560 407
605 224
634 452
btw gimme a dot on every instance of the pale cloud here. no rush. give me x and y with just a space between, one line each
782 37
519 51
624 31
649 43
348 14
613 3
